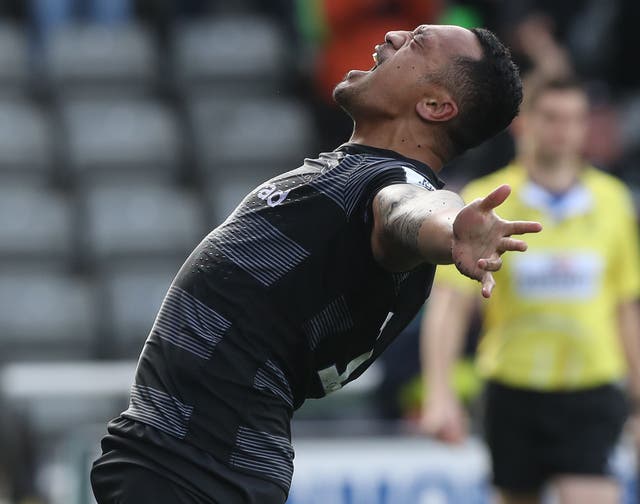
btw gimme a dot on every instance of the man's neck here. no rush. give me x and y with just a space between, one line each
555 175
402 140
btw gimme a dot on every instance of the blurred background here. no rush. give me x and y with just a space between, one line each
130 128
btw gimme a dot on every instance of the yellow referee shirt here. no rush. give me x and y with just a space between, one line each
551 323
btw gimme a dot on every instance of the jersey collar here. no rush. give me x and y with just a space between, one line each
354 148
576 201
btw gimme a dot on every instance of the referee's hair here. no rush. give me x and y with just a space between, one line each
488 92
537 85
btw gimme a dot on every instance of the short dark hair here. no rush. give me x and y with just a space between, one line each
488 92
536 86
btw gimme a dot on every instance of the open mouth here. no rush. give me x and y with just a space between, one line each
377 56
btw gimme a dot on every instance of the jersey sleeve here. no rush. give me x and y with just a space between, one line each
369 181
626 269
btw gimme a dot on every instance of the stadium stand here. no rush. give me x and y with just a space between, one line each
132 295
26 141
111 139
248 59
141 222
14 60
36 226
115 60
45 316
259 131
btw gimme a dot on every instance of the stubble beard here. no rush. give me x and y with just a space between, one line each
351 99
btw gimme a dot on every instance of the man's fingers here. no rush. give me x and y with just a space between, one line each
522 227
488 283
495 198
493 264
511 245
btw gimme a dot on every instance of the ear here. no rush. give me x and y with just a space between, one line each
517 126
437 108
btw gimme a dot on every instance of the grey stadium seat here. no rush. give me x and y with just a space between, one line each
45 316
142 221
127 138
26 141
101 59
133 294
227 193
259 130
247 51
14 59
35 224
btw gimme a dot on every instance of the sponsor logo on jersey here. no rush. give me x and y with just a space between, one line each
415 178
558 276
272 195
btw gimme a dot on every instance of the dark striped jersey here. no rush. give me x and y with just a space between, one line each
282 302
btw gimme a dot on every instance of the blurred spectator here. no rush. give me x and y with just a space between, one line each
562 327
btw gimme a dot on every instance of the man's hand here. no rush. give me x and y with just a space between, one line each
480 237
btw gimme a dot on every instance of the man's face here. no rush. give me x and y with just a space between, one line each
402 66
556 124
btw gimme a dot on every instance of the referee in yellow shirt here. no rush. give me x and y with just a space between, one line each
561 332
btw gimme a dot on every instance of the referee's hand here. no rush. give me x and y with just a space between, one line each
444 418
480 237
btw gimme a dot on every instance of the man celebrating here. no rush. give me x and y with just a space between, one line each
312 277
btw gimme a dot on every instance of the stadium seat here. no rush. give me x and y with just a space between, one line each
26 141
245 51
14 60
225 194
36 224
92 58
130 139
45 316
144 221
264 131
133 294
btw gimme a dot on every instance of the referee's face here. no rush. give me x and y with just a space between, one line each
402 67
555 127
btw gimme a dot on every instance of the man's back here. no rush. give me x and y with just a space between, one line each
281 302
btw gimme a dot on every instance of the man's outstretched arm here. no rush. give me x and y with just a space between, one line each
413 226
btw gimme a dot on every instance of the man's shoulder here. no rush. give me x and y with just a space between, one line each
604 184
611 194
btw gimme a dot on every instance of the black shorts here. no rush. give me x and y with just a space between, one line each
534 436
122 476
132 484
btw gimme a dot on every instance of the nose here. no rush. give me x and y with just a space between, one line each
397 38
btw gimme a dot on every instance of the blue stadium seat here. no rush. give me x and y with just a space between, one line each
91 58
26 141
45 316
123 138
144 221
243 50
